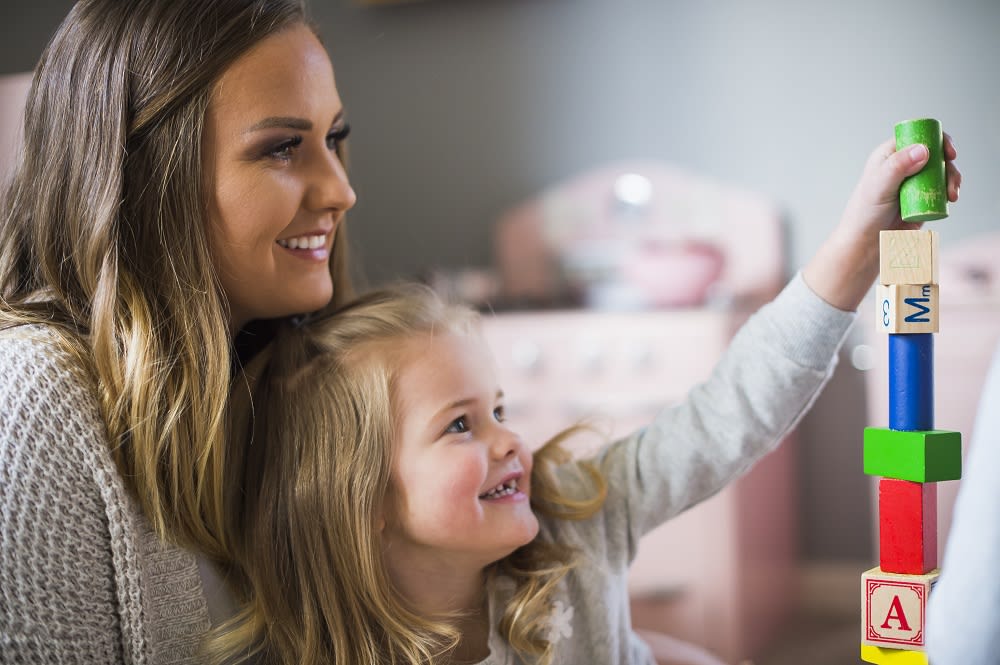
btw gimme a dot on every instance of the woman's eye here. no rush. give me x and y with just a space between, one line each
336 137
499 414
284 150
458 426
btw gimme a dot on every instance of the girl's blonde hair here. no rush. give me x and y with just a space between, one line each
317 420
103 233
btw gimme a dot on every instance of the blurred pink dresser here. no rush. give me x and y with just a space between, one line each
721 575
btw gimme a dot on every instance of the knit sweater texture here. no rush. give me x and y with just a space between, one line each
83 576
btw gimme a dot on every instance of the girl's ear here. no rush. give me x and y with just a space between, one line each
383 514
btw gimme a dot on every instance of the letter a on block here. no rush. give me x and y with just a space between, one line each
896 615
894 608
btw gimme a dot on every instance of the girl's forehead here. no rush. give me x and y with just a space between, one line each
447 342
444 360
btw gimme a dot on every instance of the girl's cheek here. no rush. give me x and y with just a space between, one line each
469 473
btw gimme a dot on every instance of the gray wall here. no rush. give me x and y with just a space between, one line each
462 107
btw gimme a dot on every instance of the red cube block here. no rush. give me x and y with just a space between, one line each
907 519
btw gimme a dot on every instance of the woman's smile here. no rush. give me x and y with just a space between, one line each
308 246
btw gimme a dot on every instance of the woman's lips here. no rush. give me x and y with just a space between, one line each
312 246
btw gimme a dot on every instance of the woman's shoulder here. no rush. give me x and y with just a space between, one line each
38 363
32 339
48 399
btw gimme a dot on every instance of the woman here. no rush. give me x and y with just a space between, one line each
181 180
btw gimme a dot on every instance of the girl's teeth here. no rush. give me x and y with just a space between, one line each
505 489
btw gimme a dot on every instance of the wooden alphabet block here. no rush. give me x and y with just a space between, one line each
907 526
907 308
882 656
894 608
923 456
908 257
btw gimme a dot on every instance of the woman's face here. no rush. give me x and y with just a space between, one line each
276 186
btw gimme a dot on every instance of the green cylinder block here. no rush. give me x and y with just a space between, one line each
923 197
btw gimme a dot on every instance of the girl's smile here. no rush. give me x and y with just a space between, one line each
506 491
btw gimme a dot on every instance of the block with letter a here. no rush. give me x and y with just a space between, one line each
894 608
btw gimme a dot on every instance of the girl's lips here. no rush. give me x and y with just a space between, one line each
516 497
509 487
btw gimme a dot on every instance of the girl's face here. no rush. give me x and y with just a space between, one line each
461 478
277 188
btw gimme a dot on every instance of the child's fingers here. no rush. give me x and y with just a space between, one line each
899 165
954 180
883 152
950 152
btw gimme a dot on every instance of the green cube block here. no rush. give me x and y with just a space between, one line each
922 457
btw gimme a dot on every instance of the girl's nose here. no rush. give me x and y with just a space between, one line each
506 443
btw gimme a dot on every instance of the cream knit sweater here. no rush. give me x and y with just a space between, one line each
83 578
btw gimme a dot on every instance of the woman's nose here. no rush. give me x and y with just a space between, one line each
329 188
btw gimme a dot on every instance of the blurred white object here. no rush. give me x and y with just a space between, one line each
633 189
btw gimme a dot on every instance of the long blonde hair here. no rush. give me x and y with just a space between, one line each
103 234
317 418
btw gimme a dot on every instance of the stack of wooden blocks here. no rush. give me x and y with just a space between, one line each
910 456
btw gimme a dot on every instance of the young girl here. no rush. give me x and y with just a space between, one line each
390 515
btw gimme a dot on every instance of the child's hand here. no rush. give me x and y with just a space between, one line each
845 266
874 205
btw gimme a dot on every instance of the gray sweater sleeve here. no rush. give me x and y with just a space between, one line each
84 578
767 379
66 585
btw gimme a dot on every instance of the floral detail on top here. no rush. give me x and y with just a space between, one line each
560 622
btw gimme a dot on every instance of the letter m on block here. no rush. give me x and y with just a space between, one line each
919 304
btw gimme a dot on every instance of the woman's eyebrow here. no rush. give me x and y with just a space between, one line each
286 122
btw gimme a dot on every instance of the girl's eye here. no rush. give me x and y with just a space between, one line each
499 414
458 426
336 137
284 150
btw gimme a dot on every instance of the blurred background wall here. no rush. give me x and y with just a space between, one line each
463 108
